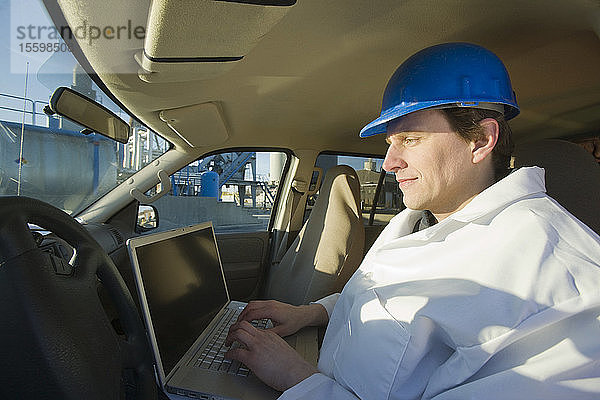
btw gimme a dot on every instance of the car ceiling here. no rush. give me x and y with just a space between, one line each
312 74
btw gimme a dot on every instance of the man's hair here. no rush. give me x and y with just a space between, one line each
465 121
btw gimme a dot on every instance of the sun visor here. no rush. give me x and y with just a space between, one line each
199 125
203 38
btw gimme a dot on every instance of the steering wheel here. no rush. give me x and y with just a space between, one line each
56 340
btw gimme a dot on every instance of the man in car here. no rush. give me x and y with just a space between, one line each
484 287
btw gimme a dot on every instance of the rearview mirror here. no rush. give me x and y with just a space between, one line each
86 112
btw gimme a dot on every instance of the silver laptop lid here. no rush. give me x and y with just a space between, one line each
182 287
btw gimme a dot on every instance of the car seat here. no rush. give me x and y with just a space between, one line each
328 248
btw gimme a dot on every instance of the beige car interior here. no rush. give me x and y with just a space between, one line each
306 75
310 75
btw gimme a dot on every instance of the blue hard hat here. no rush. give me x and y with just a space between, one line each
450 74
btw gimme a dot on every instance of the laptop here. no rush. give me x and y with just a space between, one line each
187 311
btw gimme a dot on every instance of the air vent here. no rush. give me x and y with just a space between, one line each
116 235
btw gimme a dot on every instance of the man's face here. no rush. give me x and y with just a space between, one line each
432 163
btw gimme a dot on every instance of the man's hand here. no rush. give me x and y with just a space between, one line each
269 356
287 319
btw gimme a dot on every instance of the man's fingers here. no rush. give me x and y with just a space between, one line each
260 312
252 307
245 325
241 354
242 331
240 336
251 315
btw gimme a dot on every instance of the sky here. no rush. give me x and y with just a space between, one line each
15 13
43 71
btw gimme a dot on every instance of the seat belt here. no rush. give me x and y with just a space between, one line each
286 240
377 193
300 192
296 213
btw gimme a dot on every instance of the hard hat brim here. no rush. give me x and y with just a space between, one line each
379 125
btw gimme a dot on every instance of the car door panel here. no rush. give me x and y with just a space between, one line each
244 258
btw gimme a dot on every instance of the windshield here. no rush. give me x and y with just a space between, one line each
47 157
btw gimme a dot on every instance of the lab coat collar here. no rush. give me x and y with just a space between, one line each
524 182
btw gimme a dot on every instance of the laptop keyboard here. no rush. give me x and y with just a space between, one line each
213 356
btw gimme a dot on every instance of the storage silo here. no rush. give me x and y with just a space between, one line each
209 184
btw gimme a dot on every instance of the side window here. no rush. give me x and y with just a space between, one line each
234 190
368 170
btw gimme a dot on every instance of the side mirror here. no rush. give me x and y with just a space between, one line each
86 112
147 218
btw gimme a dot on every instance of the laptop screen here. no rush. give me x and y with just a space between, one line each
184 289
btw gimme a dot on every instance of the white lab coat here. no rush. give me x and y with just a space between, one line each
501 300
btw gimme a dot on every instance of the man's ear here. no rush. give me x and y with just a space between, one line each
481 148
